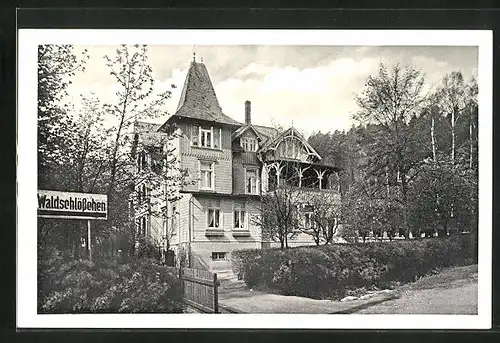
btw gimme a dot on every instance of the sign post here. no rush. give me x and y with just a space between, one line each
71 205
89 240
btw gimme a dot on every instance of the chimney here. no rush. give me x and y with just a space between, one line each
248 112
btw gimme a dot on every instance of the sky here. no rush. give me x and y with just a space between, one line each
309 87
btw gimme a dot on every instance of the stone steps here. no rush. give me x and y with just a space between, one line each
225 275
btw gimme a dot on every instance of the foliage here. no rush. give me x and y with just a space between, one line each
443 192
390 100
403 163
453 101
239 258
80 151
333 270
56 65
140 286
368 208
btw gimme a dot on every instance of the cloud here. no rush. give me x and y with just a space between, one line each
313 98
313 86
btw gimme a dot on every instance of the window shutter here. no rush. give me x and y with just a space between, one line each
195 132
217 134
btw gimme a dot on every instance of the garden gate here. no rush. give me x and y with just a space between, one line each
200 289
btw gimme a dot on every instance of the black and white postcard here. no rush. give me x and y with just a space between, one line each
254 179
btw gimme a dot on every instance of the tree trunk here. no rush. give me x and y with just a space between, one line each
453 136
114 156
79 188
404 191
470 144
387 180
433 140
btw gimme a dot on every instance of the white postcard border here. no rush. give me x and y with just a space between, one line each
28 40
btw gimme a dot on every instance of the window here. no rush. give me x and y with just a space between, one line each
308 220
141 161
143 193
206 137
139 194
164 165
239 216
195 133
213 218
142 225
130 208
217 256
252 181
308 217
249 144
217 133
207 175
239 219
214 214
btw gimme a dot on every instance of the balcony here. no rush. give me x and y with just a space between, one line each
329 191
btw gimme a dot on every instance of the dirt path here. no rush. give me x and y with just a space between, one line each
453 291
236 296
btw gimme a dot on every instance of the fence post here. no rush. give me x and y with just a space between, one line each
181 282
216 294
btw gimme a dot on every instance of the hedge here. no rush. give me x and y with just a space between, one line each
332 271
139 286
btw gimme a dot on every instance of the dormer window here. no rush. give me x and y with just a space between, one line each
249 144
206 137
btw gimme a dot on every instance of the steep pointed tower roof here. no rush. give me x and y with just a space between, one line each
198 99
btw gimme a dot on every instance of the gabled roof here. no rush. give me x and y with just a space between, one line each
273 143
243 129
268 132
198 99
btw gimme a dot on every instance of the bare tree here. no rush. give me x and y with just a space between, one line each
279 218
472 91
321 217
135 100
163 179
452 96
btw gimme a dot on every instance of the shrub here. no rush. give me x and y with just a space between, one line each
103 287
239 258
333 271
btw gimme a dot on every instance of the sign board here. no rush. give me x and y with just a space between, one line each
69 205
